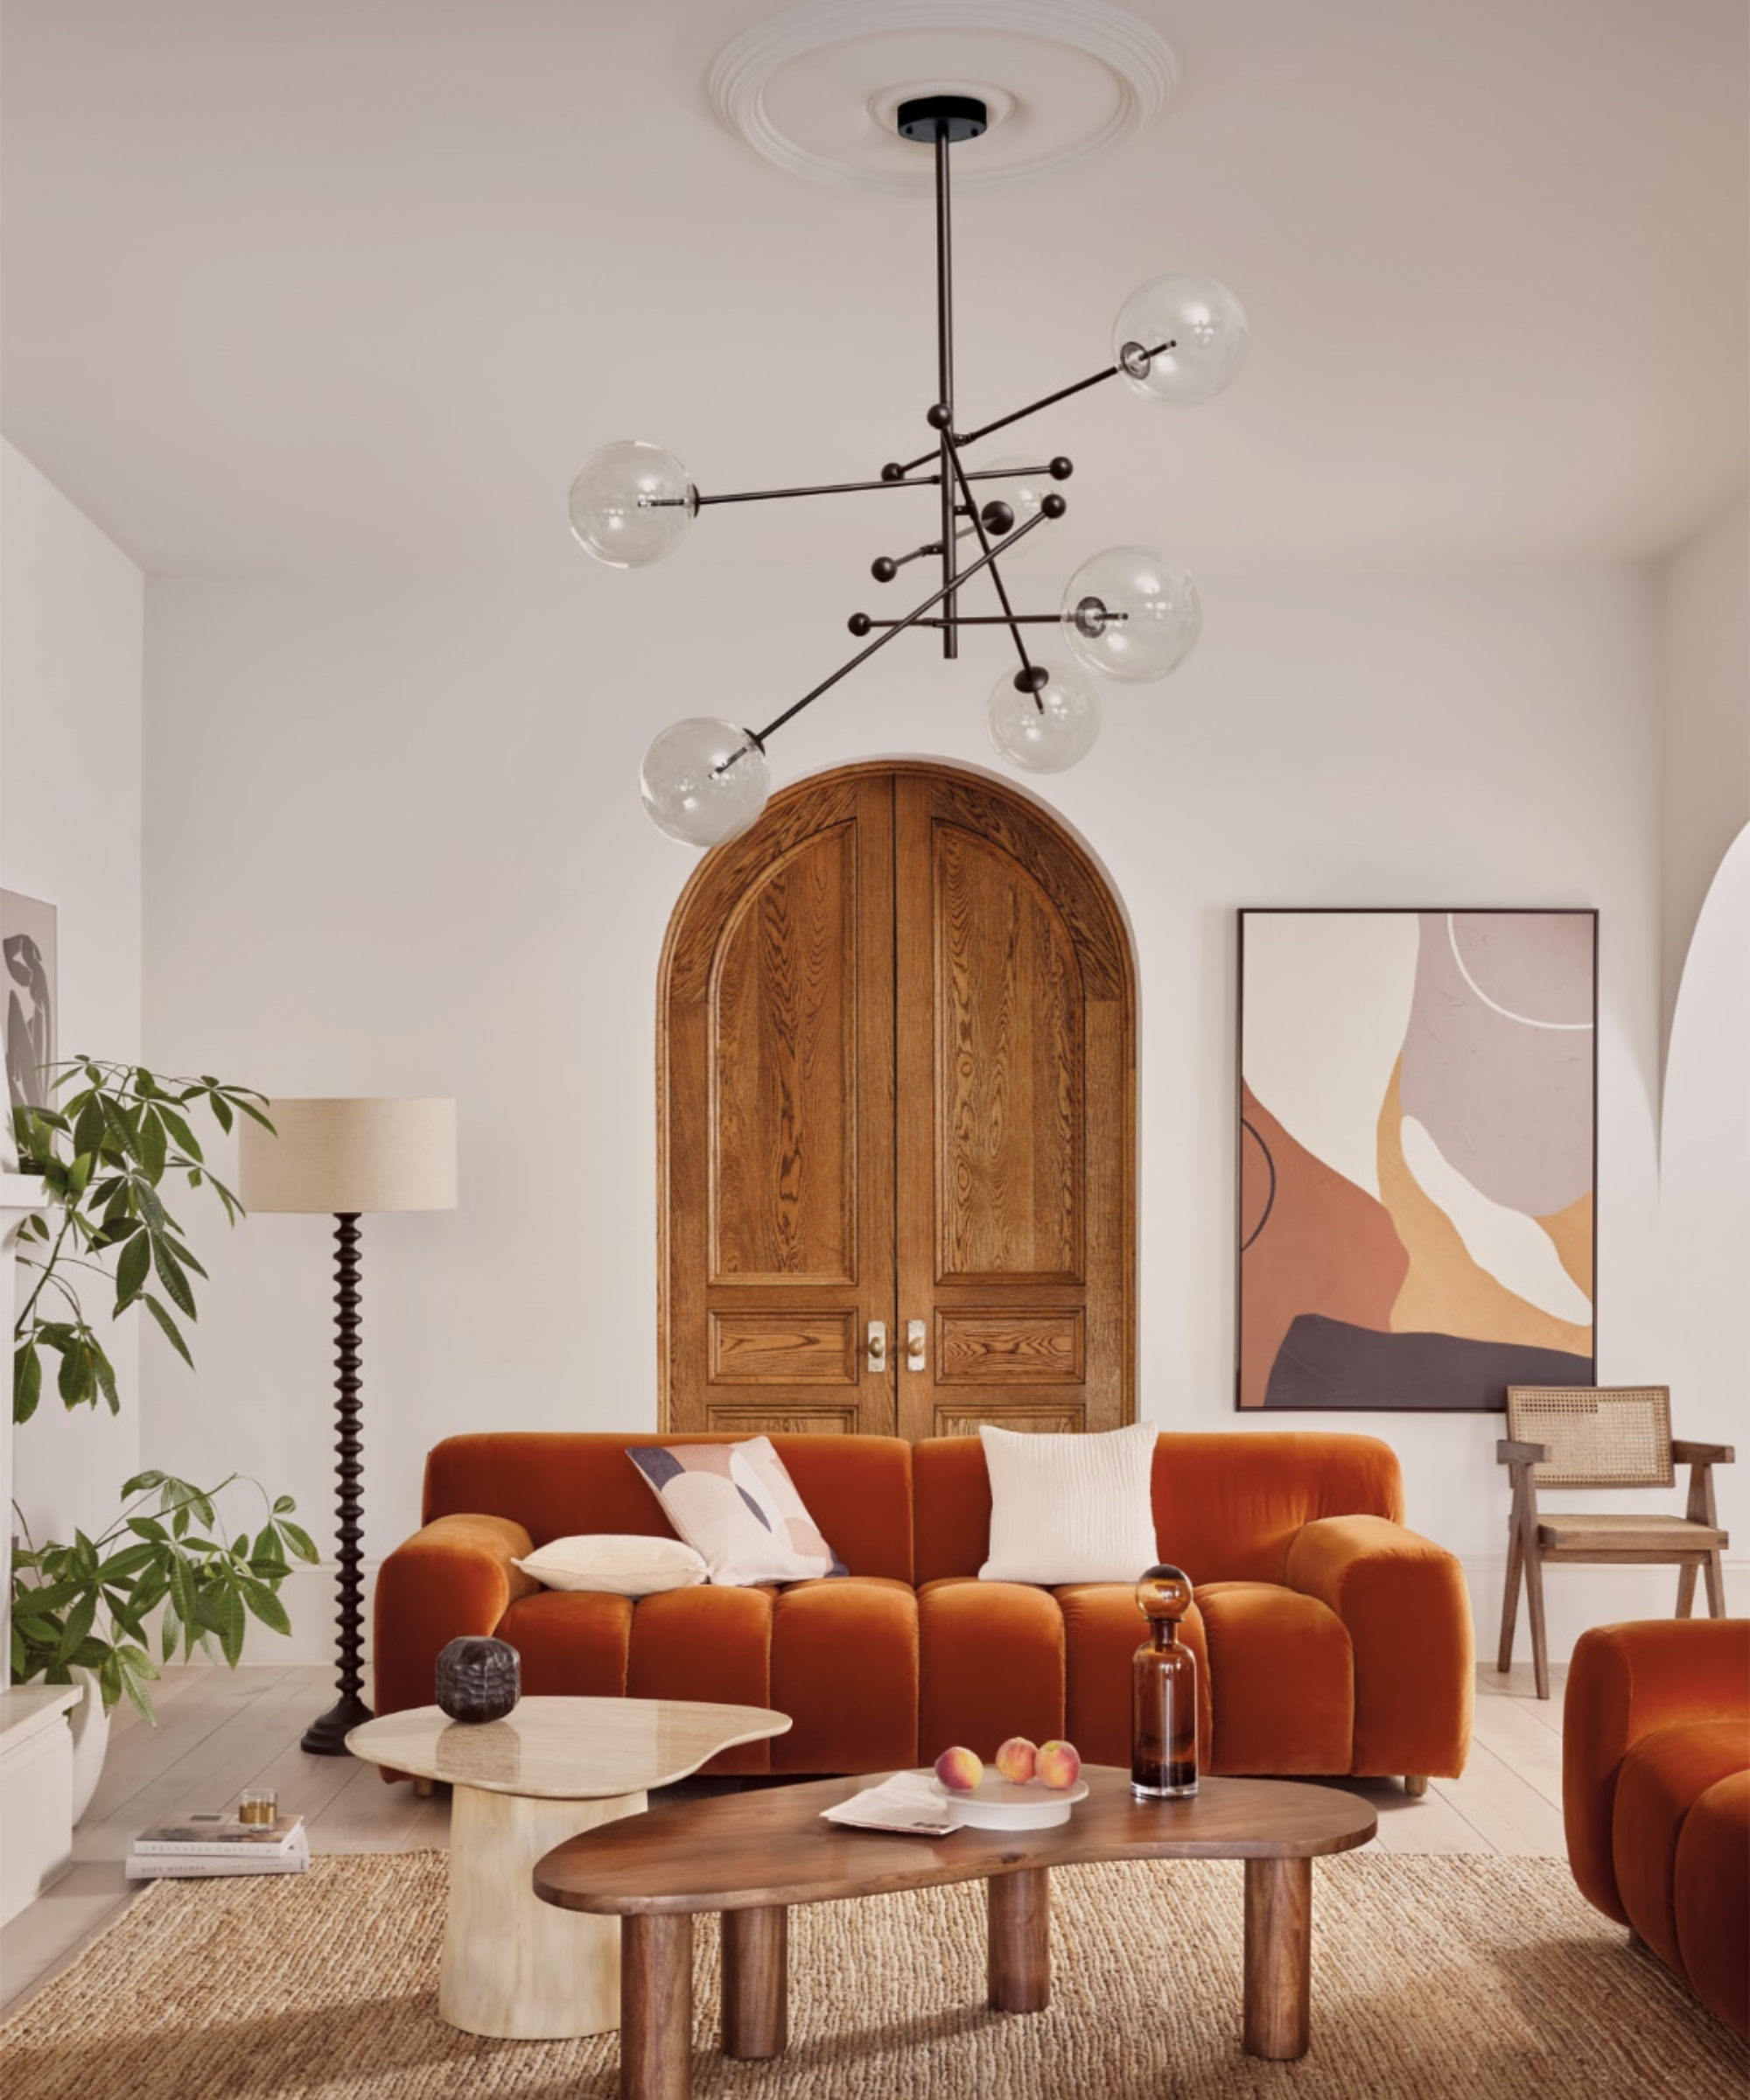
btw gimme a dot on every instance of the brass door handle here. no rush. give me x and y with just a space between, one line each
877 1344
915 1345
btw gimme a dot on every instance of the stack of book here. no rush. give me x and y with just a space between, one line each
214 1843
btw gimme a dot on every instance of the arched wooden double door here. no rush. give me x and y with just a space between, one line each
896 1079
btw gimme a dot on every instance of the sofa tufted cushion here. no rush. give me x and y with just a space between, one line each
1662 1777
844 1665
1285 1676
991 1665
1712 1900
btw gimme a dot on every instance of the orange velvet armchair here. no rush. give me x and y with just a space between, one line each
1656 1795
1331 1639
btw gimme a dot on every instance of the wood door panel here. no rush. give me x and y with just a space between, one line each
782 999
1015 1347
1009 1059
784 1348
896 1081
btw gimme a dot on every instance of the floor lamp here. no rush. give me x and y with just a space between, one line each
346 1158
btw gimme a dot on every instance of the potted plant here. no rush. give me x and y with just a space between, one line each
82 1609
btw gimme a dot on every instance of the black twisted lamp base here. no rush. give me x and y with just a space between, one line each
326 1736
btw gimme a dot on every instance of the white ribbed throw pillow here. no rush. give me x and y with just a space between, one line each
1073 1508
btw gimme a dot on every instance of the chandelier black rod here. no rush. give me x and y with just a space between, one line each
910 621
990 619
944 409
837 489
1032 409
948 622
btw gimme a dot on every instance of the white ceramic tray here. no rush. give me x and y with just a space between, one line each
999 1804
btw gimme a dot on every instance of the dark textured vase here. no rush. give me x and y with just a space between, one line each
1164 1693
478 1680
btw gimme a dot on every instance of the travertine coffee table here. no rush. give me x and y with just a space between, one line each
750 1856
512 1966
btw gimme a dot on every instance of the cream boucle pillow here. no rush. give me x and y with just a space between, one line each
1070 1508
622 1565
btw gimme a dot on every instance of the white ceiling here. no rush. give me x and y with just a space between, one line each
353 285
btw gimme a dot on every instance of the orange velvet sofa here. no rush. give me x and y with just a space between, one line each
1656 1795
1329 1638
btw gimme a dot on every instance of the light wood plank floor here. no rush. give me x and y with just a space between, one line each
221 1730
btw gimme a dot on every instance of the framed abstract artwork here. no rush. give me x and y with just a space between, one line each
27 946
1418 1149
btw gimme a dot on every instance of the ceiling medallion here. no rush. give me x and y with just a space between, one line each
1130 614
1132 65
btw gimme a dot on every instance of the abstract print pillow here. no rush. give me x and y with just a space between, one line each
737 1505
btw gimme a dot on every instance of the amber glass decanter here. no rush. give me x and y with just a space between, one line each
1164 1693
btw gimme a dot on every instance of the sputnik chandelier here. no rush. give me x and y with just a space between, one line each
1127 613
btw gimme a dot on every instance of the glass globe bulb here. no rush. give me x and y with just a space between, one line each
1046 731
1204 324
1132 614
632 503
703 781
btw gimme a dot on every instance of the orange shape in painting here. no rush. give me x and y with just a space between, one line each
1312 1243
1446 1291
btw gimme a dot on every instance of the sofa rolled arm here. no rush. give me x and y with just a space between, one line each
1404 1605
1626 1682
454 1577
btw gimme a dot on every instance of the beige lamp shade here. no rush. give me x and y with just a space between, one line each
340 1156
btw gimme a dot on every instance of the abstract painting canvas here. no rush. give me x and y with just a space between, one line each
1418 1151
27 945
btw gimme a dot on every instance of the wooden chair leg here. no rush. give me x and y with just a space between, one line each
1715 1586
1534 1599
1509 1600
424 1788
1686 1575
1416 1784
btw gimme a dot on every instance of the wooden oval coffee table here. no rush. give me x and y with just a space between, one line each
750 1856
512 1967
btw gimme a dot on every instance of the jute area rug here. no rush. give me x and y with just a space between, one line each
1431 1977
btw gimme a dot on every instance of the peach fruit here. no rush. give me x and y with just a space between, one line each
1015 1760
1059 1765
959 1770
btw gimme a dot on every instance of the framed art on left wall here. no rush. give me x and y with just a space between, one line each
27 945
1417 1156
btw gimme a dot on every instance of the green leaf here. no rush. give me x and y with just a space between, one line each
151 1141
181 1253
78 1174
254 1114
178 1128
169 1629
182 1593
106 1378
224 1609
143 1482
221 1115
299 1541
282 1504
78 1626
76 1382
133 1269
118 1127
27 1381
266 1607
170 1328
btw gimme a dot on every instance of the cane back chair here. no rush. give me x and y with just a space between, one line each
1584 1435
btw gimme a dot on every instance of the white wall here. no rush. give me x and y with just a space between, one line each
1706 679
72 613
394 845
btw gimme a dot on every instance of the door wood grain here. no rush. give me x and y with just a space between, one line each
896 1051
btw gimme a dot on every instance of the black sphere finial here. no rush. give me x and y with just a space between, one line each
1062 467
1052 505
999 517
859 623
939 416
893 471
1033 679
884 568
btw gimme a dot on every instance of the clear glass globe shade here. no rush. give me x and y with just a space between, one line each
703 781
632 503
1202 321
1047 732
1131 613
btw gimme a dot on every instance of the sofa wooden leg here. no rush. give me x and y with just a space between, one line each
1416 1784
424 1788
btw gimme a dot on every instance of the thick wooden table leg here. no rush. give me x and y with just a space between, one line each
1018 1909
756 1982
656 2005
1278 1956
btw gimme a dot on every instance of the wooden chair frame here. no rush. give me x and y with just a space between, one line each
1526 1551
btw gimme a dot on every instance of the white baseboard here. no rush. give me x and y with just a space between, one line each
1575 1598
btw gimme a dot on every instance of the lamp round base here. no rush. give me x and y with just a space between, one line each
326 1736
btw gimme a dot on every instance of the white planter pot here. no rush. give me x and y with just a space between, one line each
89 1721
